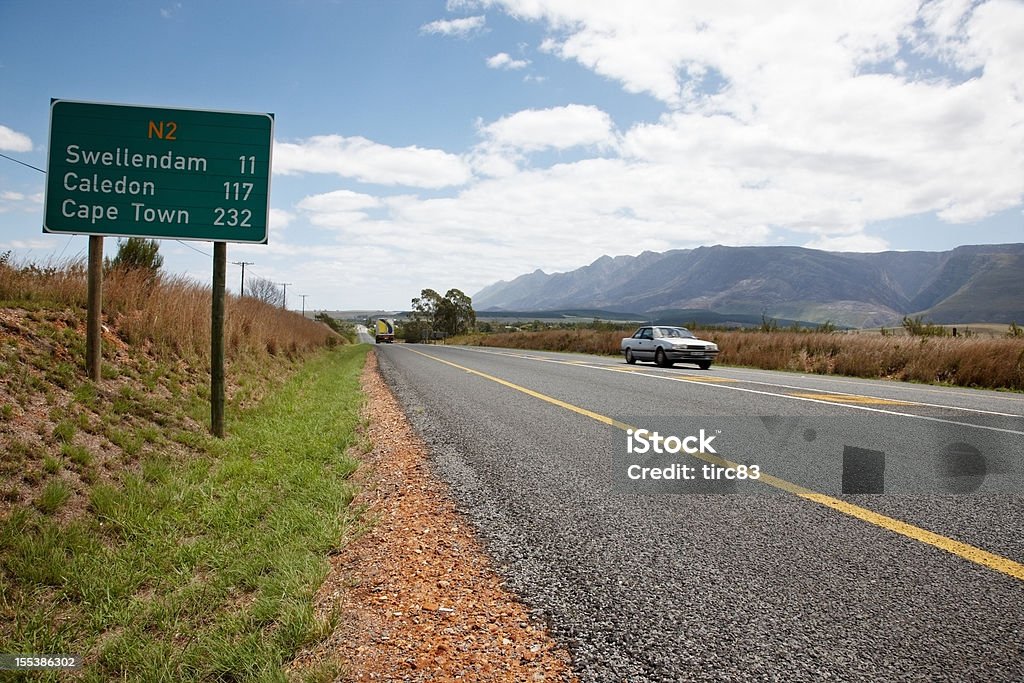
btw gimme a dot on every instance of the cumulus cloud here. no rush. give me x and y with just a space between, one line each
370 162
503 60
557 128
507 141
818 101
339 200
460 28
13 141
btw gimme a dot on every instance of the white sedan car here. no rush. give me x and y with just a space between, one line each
668 345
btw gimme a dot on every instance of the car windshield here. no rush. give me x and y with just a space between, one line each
670 332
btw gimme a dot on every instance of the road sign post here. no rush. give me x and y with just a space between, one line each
155 172
94 323
220 258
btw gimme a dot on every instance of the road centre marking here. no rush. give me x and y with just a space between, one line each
963 550
860 400
694 379
829 378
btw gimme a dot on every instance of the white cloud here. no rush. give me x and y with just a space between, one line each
507 141
370 162
455 27
13 141
858 242
168 12
502 60
280 219
339 200
814 102
28 245
459 5
556 128
12 200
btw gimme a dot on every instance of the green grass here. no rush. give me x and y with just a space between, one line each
198 568
54 495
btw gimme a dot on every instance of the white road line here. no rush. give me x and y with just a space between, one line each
864 382
804 388
682 378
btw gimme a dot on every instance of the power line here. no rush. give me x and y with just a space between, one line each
186 244
34 168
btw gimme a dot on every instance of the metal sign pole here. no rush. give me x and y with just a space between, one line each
94 315
220 258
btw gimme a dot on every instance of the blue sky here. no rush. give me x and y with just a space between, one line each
452 144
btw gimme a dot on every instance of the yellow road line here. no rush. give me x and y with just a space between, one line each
963 550
707 378
851 398
531 392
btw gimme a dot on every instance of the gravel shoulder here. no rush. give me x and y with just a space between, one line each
415 596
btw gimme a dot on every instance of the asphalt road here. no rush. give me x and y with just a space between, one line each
883 540
363 333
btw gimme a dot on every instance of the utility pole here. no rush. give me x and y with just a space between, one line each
303 304
284 294
243 264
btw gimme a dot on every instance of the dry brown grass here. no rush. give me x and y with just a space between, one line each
167 313
972 362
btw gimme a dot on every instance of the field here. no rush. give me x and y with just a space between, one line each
129 535
986 362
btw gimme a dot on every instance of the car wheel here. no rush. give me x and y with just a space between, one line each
630 358
661 360
704 364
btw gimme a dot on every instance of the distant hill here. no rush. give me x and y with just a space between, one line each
981 283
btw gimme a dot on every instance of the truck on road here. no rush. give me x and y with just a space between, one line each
385 329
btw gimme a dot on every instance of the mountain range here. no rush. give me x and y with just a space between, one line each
976 283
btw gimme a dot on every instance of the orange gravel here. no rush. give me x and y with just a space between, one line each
416 595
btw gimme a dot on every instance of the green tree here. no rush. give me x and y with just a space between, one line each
425 309
137 253
449 315
460 317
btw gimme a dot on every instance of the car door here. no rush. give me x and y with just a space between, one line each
644 348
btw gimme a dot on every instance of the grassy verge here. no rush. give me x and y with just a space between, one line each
991 363
200 567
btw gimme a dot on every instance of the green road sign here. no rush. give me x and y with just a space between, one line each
156 172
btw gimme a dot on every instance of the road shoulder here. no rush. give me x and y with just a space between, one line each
415 595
